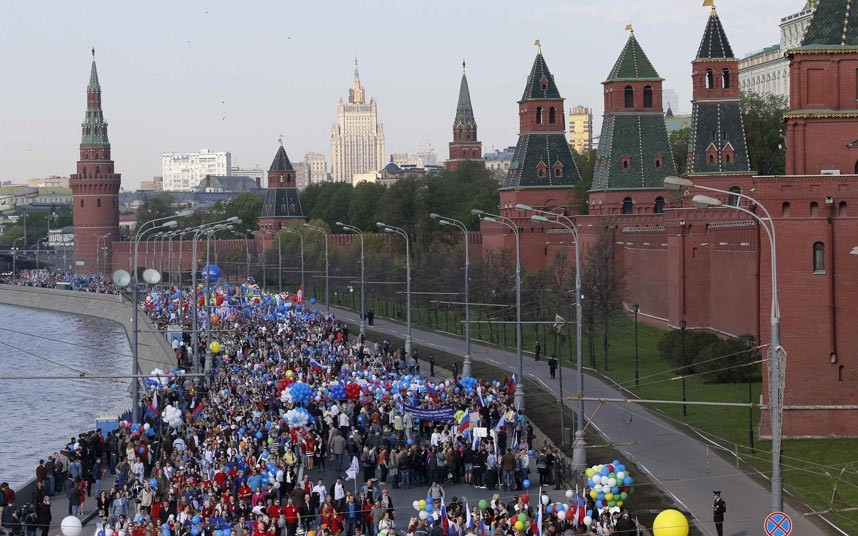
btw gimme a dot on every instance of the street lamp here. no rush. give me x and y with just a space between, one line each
98 239
512 226
401 232
353 229
682 325
443 220
264 263
325 234
301 236
15 255
777 371
579 452
637 369
246 254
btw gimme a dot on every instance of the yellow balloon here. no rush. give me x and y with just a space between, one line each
670 523
311 533
590 472
609 496
594 494
519 525
422 504
214 347
289 374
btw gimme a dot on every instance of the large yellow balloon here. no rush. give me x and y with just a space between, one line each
519 525
214 347
289 374
670 523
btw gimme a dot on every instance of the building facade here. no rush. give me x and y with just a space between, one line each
182 172
581 129
357 138
317 168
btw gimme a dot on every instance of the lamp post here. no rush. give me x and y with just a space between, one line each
512 226
246 254
777 373
98 239
301 236
15 255
325 234
264 264
682 326
637 368
401 232
279 264
443 220
357 231
579 452
749 344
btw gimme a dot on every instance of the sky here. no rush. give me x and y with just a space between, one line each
234 76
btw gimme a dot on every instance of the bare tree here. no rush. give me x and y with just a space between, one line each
604 287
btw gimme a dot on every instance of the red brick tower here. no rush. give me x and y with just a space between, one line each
465 145
281 205
95 187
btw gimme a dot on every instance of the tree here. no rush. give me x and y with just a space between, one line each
586 163
603 285
733 360
763 117
679 140
160 206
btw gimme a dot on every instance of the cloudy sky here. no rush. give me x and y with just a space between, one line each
190 74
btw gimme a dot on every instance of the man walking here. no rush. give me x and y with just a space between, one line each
552 366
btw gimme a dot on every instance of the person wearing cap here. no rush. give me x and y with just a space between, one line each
718 509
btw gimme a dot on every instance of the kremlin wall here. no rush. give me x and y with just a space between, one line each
710 267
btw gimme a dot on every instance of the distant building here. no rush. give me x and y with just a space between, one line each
581 129
317 167
676 122
357 138
182 172
767 70
670 100
498 162
155 185
256 174
228 183
49 182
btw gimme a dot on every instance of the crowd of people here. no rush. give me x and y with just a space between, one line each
244 450
89 282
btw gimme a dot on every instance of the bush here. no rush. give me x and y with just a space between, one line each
670 347
727 361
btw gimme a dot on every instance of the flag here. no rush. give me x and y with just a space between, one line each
198 411
501 422
299 298
538 530
582 507
155 401
316 365
480 396
510 388
353 470
465 423
445 523
433 393
469 521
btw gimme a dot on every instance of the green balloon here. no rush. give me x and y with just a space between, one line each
483 504
522 517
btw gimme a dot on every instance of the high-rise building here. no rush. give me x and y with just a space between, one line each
581 129
317 167
184 171
767 70
357 138
95 186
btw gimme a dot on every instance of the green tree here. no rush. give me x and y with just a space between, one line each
679 140
733 360
670 347
162 205
586 163
763 116
604 287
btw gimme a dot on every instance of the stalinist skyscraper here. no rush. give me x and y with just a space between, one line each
357 138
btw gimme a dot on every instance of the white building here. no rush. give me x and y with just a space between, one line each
317 166
767 70
256 174
183 171
357 138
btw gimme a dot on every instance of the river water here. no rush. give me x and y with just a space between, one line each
39 416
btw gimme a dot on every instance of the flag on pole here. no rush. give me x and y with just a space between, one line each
299 298
480 396
501 422
469 521
510 389
538 530
198 411
353 470
433 393
465 423
445 523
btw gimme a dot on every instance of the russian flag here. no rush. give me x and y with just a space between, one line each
538 530
445 523
510 388
469 521
433 393
480 396
465 423
198 411
501 422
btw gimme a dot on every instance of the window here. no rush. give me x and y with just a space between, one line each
785 209
814 209
659 205
710 79
630 97
626 161
558 172
98 202
647 96
539 115
733 200
628 205
81 203
552 116
818 258
842 209
725 79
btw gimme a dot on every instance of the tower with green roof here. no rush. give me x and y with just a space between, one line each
282 205
543 171
822 124
718 144
465 145
95 186
634 153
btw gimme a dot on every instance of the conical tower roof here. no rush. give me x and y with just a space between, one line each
633 63
281 161
540 82
714 44
464 110
834 23
93 75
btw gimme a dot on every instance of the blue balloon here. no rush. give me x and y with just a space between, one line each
312 301
410 441
525 483
153 483
210 272
429 508
195 520
258 435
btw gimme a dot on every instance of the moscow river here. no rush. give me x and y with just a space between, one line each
40 415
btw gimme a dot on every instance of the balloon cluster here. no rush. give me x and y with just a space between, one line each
609 483
172 416
300 392
468 383
352 391
338 392
297 417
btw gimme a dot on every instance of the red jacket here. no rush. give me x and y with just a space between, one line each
290 512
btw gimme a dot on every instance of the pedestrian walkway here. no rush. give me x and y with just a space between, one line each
686 468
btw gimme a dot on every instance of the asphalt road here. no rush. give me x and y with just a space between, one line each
687 468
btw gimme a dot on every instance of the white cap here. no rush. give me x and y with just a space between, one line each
614 510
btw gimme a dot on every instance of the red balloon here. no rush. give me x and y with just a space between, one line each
525 499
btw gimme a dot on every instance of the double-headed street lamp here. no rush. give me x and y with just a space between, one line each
15 255
246 254
512 226
325 234
301 236
444 220
777 372
579 452
404 234
357 231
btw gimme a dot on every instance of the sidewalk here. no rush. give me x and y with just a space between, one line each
683 466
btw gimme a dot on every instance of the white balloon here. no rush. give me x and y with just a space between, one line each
612 482
423 514
621 475
416 505
569 493
277 485
71 526
561 515
588 521
545 500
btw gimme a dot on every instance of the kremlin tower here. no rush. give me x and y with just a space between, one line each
465 145
281 199
95 186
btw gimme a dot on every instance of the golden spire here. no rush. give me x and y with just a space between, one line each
280 140
710 3
463 66
538 47
630 29
93 53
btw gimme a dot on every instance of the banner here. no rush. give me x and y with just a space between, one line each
430 414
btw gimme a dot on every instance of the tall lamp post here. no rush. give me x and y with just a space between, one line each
682 325
264 264
637 368
777 372
512 226
246 254
404 234
301 236
15 255
444 220
327 266
357 231
579 451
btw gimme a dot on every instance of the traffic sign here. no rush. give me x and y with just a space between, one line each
778 524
